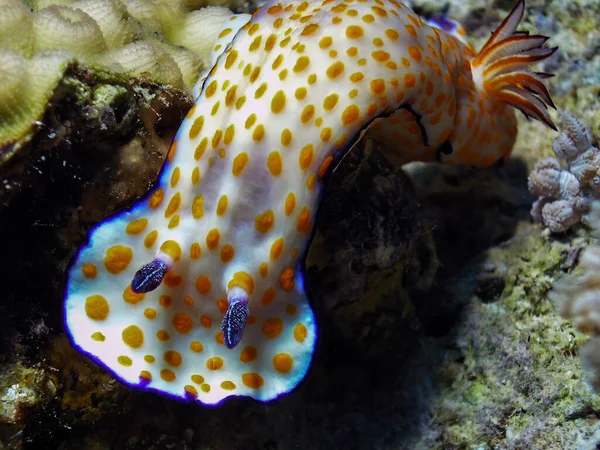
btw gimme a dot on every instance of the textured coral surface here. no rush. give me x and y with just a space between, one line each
453 343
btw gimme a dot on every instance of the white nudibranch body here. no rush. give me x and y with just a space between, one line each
196 291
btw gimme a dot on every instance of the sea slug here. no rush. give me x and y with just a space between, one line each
197 290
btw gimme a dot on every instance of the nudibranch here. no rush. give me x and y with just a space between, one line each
197 290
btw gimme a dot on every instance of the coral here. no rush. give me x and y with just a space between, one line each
568 192
164 40
577 297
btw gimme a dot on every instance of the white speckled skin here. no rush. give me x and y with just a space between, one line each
283 103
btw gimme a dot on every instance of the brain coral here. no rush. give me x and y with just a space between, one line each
168 40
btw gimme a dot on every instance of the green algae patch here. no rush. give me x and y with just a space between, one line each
521 383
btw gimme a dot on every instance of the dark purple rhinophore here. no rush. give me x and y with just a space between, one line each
234 321
149 277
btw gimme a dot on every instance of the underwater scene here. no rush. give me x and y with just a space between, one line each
288 224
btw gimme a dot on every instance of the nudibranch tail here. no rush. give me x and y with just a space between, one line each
502 68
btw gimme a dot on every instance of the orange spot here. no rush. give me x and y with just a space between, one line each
196 347
150 313
182 323
205 321
377 86
174 178
162 335
350 114
409 80
191 390
125 361
227 385
137 226
117 259
214 363
248 354
156 198
380 55
227 253
219 338
133 336
243 280
203 284
96 307
302 219
212 239
325 134
198 207
286 137
264 221
172 249
307 114
283 362
258 133
165 301
172 151
198 379
278 102
167 375
172 280
172 358
173 205
253 380
301 64
286 279
272 327
268 296
145 375
290 203
324 166
274 163
306 156
131 297
290 309
195 176
335 70
222 305
195 251
89 270
239 164
354 32
414 52
174 222
276 249
251 319
263 269
150 239
300 332
439 100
